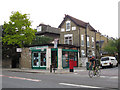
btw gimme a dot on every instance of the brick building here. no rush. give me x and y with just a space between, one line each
78 33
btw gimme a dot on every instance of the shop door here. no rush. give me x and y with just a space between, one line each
54 58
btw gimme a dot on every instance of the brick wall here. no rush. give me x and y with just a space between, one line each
25 61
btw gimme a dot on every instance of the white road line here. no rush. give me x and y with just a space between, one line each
25 79
82 86
79 70
111 77
35 80
75 73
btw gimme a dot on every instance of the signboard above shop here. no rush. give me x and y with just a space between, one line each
37 48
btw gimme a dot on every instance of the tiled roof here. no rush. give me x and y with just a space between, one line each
77 22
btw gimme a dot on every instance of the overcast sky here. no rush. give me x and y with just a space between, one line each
101 14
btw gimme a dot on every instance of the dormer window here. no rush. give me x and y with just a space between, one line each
39 28
68 25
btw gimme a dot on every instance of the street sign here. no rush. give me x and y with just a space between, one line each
19 50
55 43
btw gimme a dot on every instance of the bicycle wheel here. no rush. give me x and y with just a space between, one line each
98 72
91 73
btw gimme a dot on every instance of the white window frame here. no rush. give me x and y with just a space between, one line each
88 40
39 29
67 26
93 53
82 53
62 29
82 39
68 35
74 28
92 42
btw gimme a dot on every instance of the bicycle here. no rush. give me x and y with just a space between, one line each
95 72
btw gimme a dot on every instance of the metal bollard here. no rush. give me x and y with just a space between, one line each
50 68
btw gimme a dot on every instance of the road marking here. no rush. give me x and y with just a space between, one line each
1 75
111 77
25 79
79 70
21 78
75 73
75 85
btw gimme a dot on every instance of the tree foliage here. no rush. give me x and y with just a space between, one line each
18 30
112 46
41 40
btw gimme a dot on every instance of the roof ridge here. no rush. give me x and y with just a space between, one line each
77 19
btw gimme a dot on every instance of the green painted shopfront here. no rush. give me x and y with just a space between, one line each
42 56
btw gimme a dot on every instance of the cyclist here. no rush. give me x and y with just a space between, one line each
92 62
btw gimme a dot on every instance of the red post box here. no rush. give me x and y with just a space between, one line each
71 65
75 63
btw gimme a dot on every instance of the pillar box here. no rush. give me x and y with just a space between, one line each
71 65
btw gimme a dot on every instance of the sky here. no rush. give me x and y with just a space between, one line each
101 14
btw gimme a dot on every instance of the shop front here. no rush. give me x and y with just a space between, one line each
68 54
43 56
38 57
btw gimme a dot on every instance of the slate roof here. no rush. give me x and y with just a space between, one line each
78 22
48 29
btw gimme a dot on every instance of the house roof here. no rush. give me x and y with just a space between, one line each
48 29
78 22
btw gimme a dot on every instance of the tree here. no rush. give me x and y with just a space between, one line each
41 40
18 31
112 47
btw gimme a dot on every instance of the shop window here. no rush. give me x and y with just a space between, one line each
65 59
36 60
71 55
43 59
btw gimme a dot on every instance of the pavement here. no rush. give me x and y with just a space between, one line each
58 71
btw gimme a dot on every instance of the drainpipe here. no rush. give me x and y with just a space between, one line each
79 44
100 47
86 37
95 46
